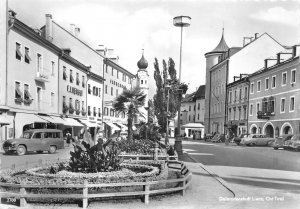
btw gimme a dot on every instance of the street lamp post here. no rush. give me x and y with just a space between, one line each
180 21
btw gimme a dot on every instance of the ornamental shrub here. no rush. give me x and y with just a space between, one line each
98 158
142 146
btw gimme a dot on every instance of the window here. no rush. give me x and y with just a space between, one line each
141 81
193 118
235 96
240 94
198 106
229 114
112 71
99 92
89 89
230 97
27 95
27 57
112 91
117 74
39 63
257 107
52 67
77 79
65 73
282 105
37 135
198 116
18 92
189 118
99 112
258 86
18 51
245 113
82 107
117 92
190 108
145 81
105 89
240 113
71 76
52 99
251 110
95 112
246 93
111 112
252 88
283 82
89 110
194 107
293 76
83 81
267 84
292 104
273 81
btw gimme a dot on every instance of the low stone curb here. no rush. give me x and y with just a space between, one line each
214 175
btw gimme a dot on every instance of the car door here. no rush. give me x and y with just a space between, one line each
36 141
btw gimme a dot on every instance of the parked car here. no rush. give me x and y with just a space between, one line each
218 138
287 144
257 139
279 141
295 143
208 137
238 139
35 140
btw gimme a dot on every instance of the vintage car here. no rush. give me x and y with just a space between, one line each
238 138
295 143
280 140
257 139
35 140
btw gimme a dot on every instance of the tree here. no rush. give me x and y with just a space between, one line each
129 102
167 88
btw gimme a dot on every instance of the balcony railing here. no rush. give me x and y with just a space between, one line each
41 77
264 115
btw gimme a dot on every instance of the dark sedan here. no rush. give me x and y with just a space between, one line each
279 141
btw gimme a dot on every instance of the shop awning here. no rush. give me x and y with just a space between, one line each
123 127
4 122
193 126
72 122
88 123
113 126
30 118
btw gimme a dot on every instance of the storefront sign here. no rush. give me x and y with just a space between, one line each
74 90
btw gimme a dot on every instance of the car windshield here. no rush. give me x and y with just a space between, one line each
296 138
27 135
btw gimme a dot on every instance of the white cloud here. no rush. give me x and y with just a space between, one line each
278 15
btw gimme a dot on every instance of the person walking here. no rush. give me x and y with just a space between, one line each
227 137
68 135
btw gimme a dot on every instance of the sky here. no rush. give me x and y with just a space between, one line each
128 26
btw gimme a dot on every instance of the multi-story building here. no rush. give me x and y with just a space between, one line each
274 93
117 79
192 113
224 62
72 44
35 83
237 105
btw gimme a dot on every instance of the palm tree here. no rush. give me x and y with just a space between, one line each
129 102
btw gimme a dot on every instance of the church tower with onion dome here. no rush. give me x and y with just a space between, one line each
143 82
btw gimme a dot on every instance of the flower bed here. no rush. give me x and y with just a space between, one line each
132 171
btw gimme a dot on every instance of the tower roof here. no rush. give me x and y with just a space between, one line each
142 63
222 46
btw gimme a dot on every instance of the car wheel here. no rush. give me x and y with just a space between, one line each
275 148
52 149
40 152
238 143
270 143
21 150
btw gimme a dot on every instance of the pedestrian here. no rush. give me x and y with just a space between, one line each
68 135
227 139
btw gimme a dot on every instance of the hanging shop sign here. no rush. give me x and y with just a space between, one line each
74 90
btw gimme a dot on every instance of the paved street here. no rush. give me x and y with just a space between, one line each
260 172
33 158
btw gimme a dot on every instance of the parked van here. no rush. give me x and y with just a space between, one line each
35 140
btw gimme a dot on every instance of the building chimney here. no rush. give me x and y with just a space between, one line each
255 35
67 51
296 50
266 63
247 38
101 50
77 31
278 58
48 28
72 29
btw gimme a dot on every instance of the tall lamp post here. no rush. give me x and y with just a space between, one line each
180 21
